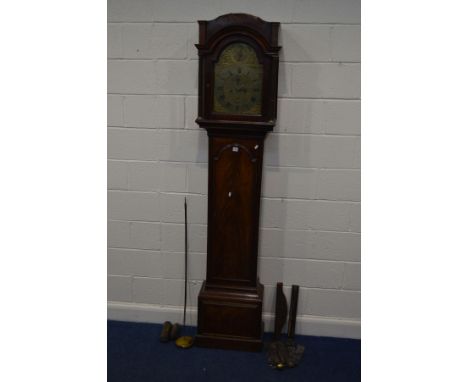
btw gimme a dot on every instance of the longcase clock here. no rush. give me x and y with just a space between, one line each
238 81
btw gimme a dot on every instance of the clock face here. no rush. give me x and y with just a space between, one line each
238 81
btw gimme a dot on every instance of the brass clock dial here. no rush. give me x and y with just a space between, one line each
238 81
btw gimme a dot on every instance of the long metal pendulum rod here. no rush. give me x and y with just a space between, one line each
186 258
185 342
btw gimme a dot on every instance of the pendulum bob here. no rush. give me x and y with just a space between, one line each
184 342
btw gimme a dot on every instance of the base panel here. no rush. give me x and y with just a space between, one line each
230 319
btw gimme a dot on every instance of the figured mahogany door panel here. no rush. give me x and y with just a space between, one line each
234 194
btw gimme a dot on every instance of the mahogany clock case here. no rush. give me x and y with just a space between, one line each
230 301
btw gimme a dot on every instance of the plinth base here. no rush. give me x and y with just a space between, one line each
230 319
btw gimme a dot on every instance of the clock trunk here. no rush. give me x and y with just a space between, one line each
234 191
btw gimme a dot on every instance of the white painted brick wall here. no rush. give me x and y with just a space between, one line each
329 80
131 262
310 219
153 111
132 234
154 40
131 77
132 144
308 244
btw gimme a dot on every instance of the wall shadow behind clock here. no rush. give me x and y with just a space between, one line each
238 83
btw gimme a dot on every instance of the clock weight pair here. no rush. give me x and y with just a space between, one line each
281 311
285 354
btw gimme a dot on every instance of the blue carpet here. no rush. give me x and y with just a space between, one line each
134 354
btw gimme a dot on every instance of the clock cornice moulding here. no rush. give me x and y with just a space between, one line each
264 31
